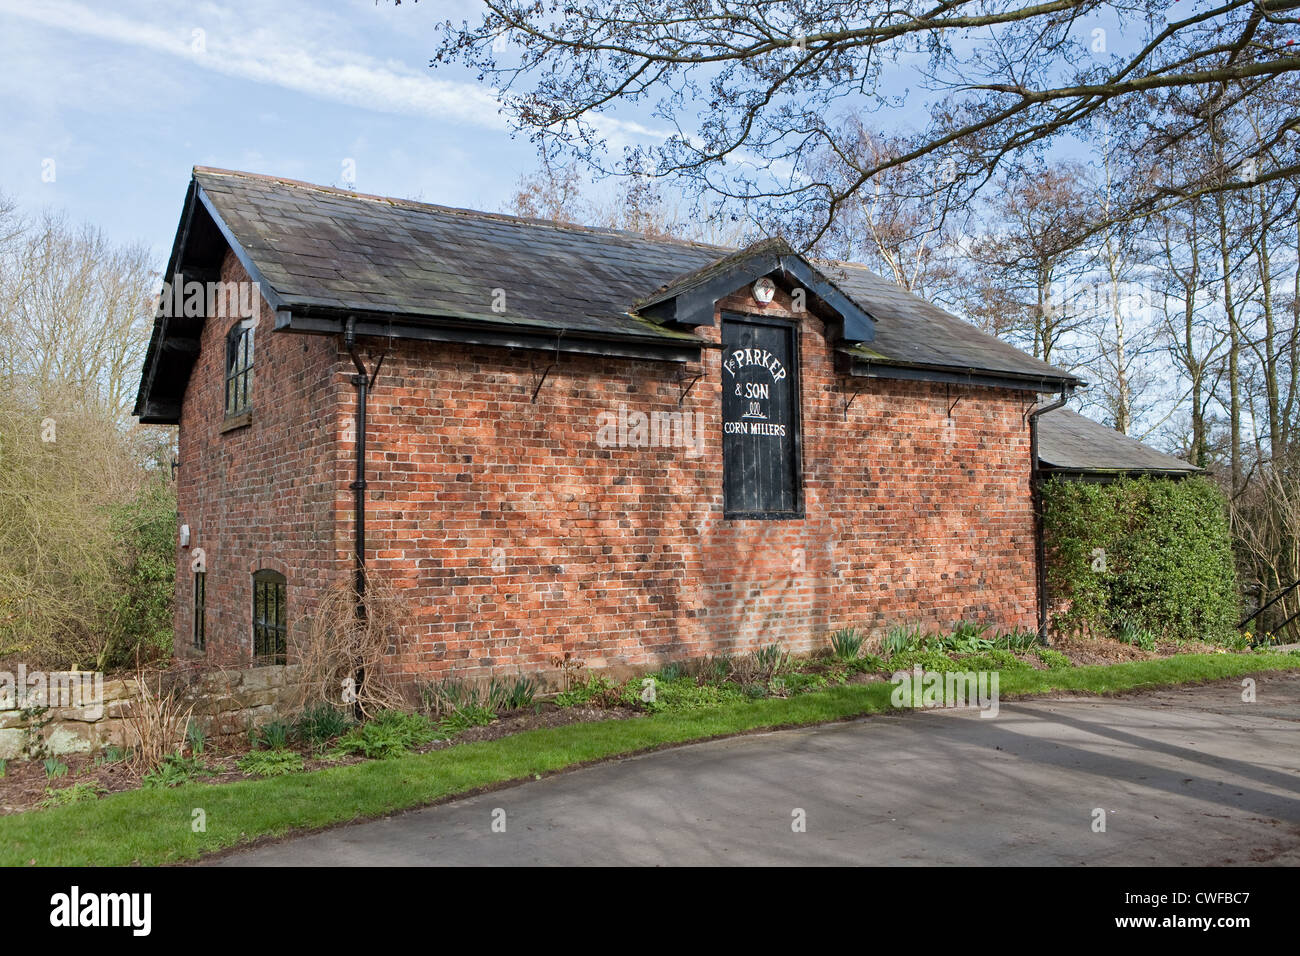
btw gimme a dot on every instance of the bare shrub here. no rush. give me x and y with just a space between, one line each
745 669
1265 519
65 470
158 720
75 319
570 667
341 653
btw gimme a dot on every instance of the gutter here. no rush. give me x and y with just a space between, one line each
1106 475
1035 477
859 366
677 347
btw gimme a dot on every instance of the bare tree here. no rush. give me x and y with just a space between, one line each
74 318
752 91
1122 303
1026 259
1275 207
889 224
1266 526
1192 343
552 192
556 192
77 314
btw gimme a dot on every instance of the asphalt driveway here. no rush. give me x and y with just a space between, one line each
1185 776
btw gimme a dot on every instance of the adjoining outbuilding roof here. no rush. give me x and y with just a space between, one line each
1071 445
411 269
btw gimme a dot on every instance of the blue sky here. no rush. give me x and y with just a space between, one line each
118 101
125 98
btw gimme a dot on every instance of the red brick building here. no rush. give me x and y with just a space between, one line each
577 440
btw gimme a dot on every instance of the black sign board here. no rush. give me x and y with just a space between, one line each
760 419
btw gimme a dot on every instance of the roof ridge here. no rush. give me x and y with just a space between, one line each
461 210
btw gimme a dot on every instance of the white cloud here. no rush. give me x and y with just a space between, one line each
271 57
276 52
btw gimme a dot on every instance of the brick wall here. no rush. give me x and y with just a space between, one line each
263 495
516 537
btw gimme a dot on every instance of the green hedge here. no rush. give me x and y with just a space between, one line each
1167 554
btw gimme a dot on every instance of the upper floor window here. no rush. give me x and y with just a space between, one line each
270 622
239 369
761 458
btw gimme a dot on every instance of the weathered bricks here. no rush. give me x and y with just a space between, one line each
516 537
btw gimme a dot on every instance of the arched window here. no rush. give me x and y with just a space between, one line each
270 622
239 369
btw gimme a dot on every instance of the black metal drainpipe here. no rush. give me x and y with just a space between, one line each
1040 549
362 382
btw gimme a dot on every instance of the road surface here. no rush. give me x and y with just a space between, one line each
1185 776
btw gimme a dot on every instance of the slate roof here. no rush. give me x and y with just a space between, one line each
1069 442
317 246
911 331
321 254
329 247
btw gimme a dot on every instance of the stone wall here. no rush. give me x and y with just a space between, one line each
225 703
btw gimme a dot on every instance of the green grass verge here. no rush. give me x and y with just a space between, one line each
154 826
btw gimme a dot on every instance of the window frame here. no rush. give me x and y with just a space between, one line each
238 380
792 328
270 632
200 628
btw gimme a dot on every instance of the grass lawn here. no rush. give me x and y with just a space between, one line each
155 826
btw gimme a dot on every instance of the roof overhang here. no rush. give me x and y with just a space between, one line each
853 363
472 331
197 251
1104 475
692 299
